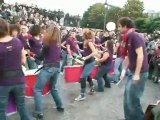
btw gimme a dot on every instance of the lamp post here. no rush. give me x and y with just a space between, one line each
105 14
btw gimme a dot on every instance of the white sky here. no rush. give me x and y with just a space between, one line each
76 7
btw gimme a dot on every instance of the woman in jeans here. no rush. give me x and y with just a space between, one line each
50 71
12 57
106 66
89 53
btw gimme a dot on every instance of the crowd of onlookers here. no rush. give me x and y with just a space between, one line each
31 14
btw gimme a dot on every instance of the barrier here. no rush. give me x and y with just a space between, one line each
31 78
72 73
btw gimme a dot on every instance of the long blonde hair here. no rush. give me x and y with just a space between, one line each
52 35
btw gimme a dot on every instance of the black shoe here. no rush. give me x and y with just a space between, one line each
92 90
114 82
108 86
60 109
38 115
99 90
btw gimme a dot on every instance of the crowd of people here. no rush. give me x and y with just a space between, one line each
23 14
31 41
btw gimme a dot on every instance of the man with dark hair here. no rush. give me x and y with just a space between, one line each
137 63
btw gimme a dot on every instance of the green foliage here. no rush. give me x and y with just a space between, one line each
133 9
147 25
94 16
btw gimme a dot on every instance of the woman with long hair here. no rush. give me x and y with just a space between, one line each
12 57
106 65
89 53
50 71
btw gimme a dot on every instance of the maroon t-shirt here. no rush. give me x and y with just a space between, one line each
10 60
136 41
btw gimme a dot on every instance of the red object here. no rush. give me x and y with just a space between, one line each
30 82
73 73
31 54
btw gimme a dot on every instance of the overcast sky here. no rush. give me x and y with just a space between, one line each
79 6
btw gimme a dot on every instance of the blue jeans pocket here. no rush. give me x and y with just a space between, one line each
49 69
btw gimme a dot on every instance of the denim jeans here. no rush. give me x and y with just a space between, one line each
118 65
85 73
18 92
70 59
64 59
102 73
133 93
46 74
31 64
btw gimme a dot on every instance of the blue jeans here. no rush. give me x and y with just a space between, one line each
46 74
31 64
102 73
19 94
70 60
132 95
118 65
85 73
64 59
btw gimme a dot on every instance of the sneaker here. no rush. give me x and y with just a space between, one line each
37 115
107 86
80 98
60 109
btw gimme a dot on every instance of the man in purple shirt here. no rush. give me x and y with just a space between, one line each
136 62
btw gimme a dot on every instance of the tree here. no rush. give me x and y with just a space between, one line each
94 16
143 25
133 9
155 24
113 14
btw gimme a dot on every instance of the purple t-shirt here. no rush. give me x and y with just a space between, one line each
53 55
10 60
36 45
97 41
24 40
108 62
73 44
136 41
87 50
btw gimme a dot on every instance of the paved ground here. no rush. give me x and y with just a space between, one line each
101 106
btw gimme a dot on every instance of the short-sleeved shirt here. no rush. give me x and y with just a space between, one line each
36 45
10 60
136 41
73 44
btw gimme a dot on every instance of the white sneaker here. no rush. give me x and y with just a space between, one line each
80 98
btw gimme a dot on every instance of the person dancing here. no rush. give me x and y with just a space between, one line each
50 71
106 66
89 53
12 56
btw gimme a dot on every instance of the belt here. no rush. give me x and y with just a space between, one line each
11 74
57 65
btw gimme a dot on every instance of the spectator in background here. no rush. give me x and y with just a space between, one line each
14 30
